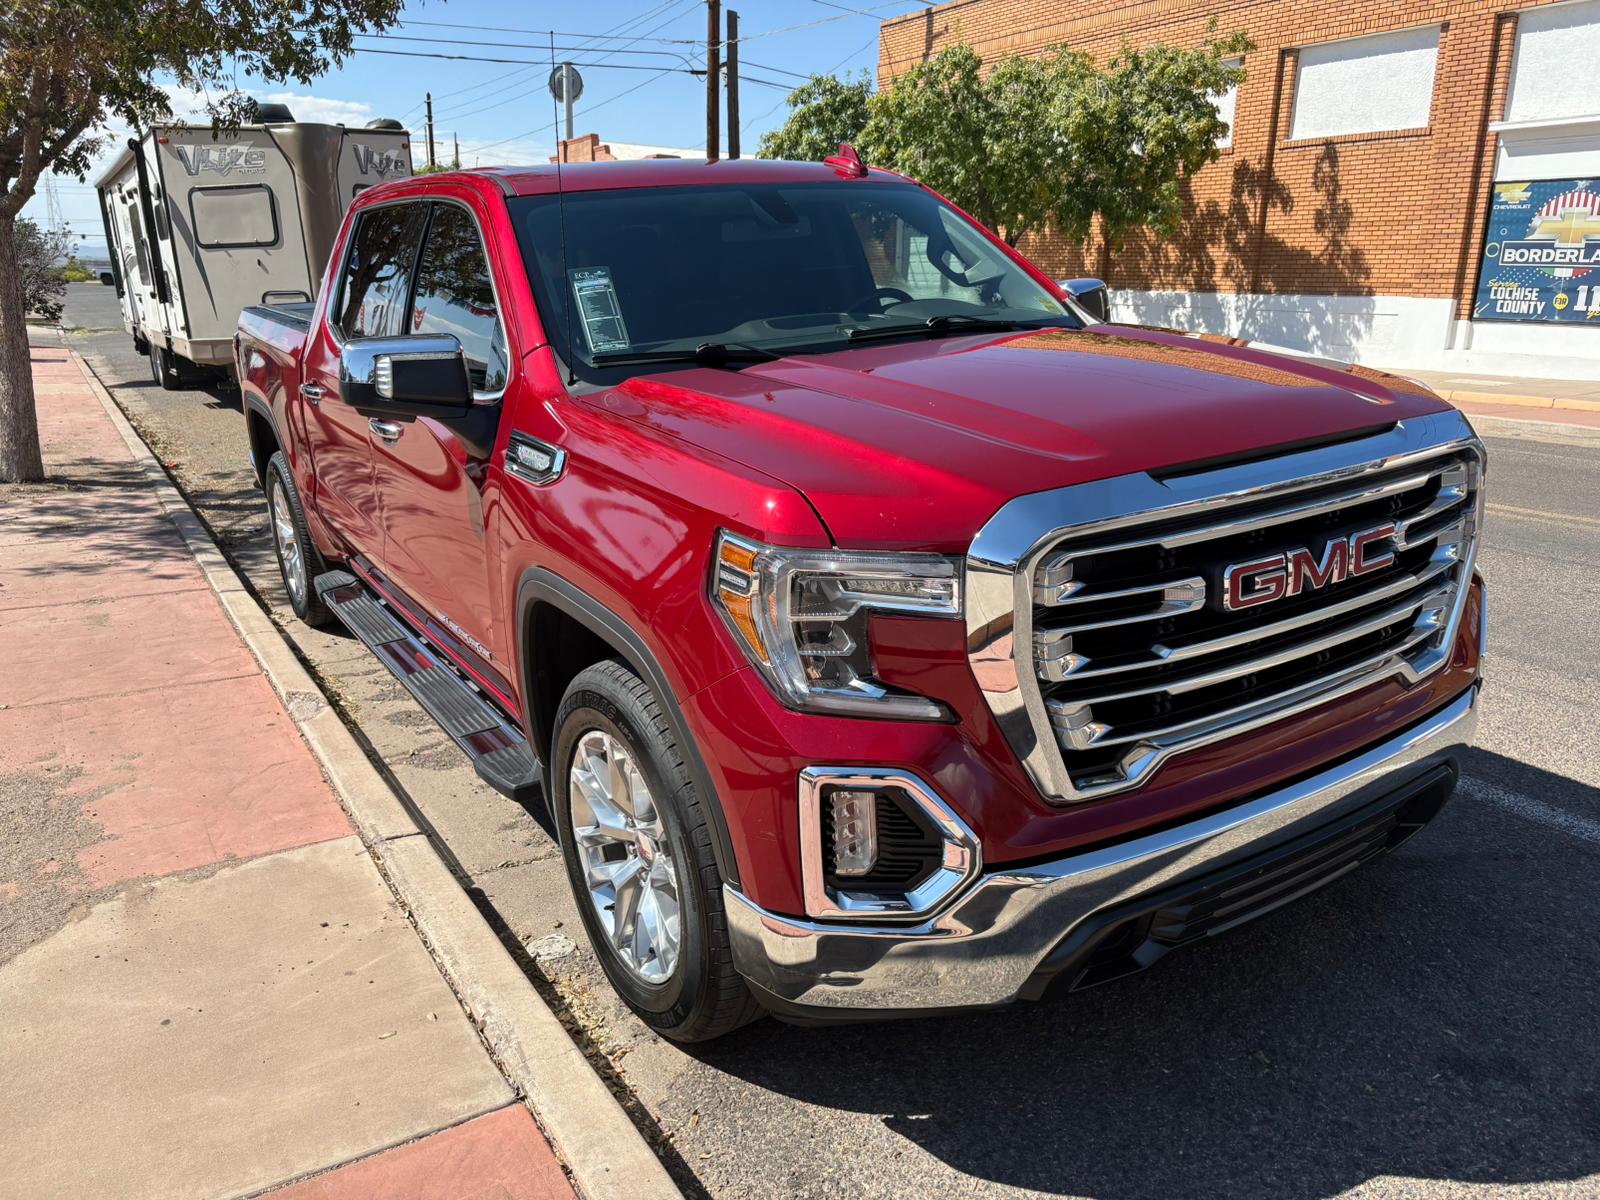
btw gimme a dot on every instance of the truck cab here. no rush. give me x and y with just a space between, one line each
884 631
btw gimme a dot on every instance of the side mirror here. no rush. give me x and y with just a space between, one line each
405 377
1091 294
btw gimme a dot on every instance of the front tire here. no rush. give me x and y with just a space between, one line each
637 849
298 560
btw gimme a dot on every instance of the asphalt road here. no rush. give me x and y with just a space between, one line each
1427 1027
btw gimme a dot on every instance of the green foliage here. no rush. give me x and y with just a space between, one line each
1150 121
824 111
39 279
73 271
67 68
1036 141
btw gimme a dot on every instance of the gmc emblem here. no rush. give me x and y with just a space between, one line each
1263 580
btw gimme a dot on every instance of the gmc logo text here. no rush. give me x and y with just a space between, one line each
1263 580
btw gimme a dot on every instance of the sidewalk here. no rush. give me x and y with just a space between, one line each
1570 401
206 987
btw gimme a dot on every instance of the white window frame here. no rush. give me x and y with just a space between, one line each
1324 128
1536 16
1228 100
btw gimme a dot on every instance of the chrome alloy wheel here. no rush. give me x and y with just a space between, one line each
294 565
625 855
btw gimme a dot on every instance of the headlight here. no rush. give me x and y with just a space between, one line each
801 617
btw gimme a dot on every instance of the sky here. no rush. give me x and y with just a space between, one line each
632 55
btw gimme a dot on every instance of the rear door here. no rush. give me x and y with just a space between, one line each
430 476
373 289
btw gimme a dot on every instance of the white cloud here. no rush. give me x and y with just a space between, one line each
322 110
481 152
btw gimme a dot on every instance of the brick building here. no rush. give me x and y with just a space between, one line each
1404 184
589 148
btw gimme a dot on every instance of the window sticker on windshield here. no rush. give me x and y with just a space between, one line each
597 305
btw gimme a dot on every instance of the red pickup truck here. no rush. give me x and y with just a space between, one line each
885 632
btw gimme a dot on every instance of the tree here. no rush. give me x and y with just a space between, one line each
1050 140
823 111
987 143
1148 121
41 282
68 68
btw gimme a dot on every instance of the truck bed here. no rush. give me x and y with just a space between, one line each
295 315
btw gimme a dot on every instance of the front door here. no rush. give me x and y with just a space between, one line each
429 476
374 285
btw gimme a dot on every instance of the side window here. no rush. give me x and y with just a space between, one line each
377 273
454 296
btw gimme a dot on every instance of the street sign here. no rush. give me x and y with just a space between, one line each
564 80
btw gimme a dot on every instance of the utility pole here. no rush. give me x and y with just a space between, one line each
428 98
733 84
713 77
569 92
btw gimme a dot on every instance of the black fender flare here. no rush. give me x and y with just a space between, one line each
258 406
539 585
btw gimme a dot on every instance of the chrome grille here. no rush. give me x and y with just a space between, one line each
1121 653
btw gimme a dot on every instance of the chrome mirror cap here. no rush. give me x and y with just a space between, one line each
1091 294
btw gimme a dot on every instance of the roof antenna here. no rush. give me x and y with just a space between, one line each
561 207
847 161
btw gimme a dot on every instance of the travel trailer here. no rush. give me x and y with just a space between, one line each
200 225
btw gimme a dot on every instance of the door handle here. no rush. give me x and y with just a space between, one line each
312 392
389 431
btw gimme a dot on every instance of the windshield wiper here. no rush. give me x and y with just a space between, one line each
934 327
953 323
706 354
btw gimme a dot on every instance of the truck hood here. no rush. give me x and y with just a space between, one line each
914 445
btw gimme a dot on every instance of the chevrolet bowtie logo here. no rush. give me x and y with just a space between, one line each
1571 227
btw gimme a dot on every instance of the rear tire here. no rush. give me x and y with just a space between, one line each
299 562
164 369
688 989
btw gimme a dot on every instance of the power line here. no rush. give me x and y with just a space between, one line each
488 58
678 12
746 37
516 46
610 35
830 71
476 86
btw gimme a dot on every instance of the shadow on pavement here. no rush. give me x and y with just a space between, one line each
1432 1017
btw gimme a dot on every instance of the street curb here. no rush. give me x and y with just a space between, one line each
1571 403
608 1157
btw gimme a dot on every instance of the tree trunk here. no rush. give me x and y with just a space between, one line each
19 426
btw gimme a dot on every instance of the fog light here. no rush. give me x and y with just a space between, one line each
855 831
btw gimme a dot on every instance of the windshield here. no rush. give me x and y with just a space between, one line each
651 275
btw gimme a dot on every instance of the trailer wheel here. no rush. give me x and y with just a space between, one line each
164 369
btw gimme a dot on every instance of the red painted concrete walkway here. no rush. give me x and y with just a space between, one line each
205 985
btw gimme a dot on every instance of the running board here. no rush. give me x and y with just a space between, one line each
499 752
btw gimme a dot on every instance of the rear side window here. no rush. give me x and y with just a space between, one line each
233 216
377 273
454 296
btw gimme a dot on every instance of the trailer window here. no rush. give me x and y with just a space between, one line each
232 217
454 295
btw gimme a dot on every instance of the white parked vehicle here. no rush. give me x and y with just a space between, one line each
200 225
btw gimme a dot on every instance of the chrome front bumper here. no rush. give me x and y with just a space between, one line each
991 943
